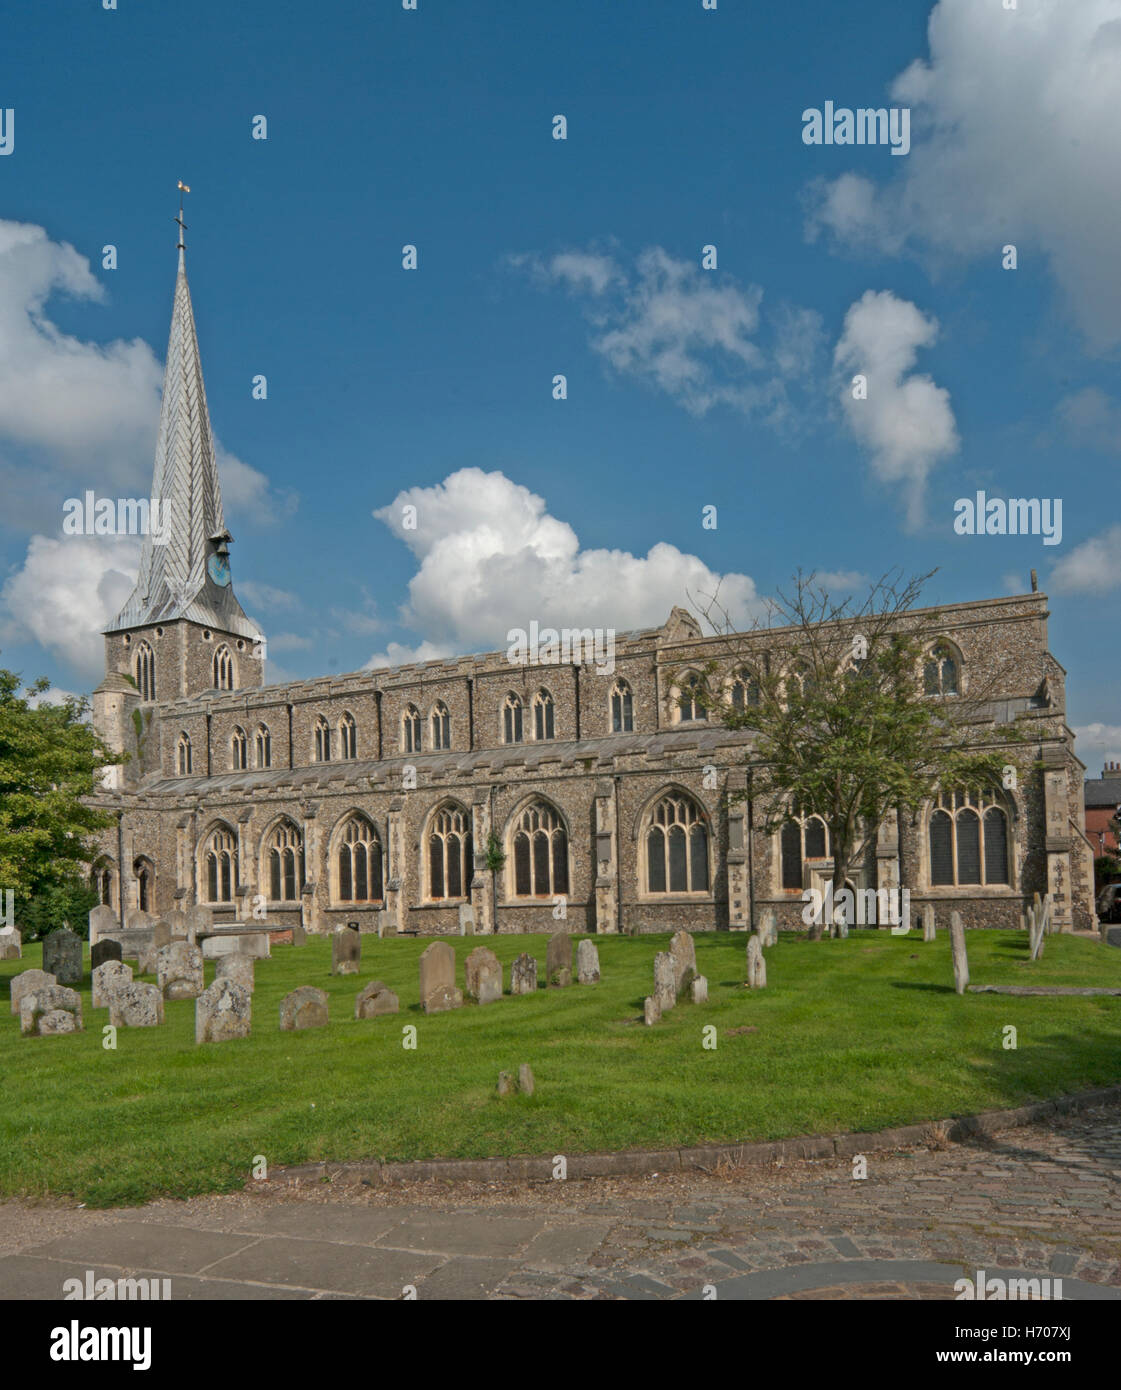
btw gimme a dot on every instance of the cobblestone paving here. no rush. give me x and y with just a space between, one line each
1043 1201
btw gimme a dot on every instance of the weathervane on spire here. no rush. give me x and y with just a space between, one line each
183 188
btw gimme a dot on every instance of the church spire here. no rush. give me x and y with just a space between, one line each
184 563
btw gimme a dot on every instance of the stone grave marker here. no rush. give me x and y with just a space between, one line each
136 1006
346 951
651 1013
377 998
299 935
665 981
108 949
305 1007
11 944
223 1012
236 967
523 975
957 950
558 961
179 970
27 982
437 979
526 1083
136 919
684 952
62 956
506 1085
102 919
147 960
587 963
928 932
108 978
50 1009
699 989
483 976
768 927
756 964
466 920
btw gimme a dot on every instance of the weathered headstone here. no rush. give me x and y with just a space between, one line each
108 978
11 944
237 967
102 919
482 975
223 1012
928 933
523 975
179 970
136 919
699 989
50 1009
242 941
27 982
147 960
305 1007
103 951
299 935
756 964
526 1083
191 921
346 951
1035 933
684 952
665 980
437 979
957 950
651 1013
768 927
466 920
62 956
375 999
136 1006
558 960
506 1086
587 963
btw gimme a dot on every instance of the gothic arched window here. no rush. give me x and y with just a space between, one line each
622 708
802 837
543 715
146 672
450 853
941 671
322 740
348 737
745 692
968 838
689 701
677 847
264 746
239 750
359 862
285 863
223 668
144 871
441 726
410 729
539 845
101 881
512 719
220 864
183 759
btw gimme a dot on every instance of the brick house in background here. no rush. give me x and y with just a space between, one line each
1103 797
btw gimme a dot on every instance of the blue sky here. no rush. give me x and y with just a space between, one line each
686 387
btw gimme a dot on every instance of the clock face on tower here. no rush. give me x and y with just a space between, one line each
218 567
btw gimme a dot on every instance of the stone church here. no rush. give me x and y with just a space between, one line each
534 795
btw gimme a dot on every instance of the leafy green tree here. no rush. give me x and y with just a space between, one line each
50 760
845 724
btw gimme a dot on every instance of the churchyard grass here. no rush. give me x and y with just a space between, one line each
857 1034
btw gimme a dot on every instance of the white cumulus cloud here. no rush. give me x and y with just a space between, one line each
1094 567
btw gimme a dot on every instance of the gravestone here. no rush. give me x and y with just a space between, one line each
684 952
506 1083
665 981
179 970
103 951
242 941
437 979
50 1009
238 968
526 1083
768 927
482 976
191 921
558 961
305 1007
651 1013
299 936
466 920
928 933
346 951
375 999
102 919
136 1006
108 978
699 989
136 919
62 956
27 982
587 963
11 944
957 950
756 965
223 1012
147 960
523 975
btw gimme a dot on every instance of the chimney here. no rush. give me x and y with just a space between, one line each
1111 768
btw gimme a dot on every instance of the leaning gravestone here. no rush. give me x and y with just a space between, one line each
50 1009
346 951
237 968
103 951
482 976
27 982
756 964
587 963
665 981
179 970
62 956
957 950
558 961
102 919
11 944
466 920
108 978
684 952
928 933
375 999
305 1007
136 1006
437 979
223 1012
523 975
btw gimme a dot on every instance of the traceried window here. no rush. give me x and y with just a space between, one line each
284 858
543 715
450 854
359 862
348 737
239 750
745 692
677 847
441 726
322 740
101 881
968 840
223 668
220 865
144 872
146 672
410 729
622 708
689 701
940 671
512 719
183 755
263 743
802 837
540 853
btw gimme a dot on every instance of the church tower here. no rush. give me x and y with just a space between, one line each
182 632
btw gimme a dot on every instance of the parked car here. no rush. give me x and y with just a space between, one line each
1109 903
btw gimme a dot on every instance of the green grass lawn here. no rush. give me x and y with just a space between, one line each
849 1035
